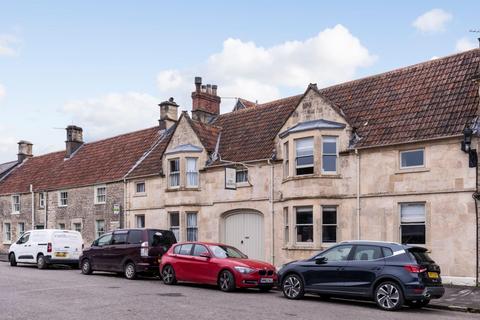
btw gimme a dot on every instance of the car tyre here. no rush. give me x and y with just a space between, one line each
86 267
13 260
130 271
389 296
226 281
168 275
417 304
293 287
41 262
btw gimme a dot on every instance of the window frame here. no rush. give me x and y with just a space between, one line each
22 228
15 204
97 230
329 208
77 223
424 223
175 229
330 154
286 160
60 199
312 138
41 200
5 239
137 217
171 173
196 173
96 195
242 169
402 152
192 227
62 226
137 183
286 226
310 208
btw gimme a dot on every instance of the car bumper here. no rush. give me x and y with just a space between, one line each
424 293
255 280
50 260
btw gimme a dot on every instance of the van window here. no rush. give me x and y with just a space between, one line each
104 240
24 238
119 238
158 238
135 236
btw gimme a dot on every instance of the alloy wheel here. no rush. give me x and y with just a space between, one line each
292 287
130 271
388 296
168 275
86 267
226 281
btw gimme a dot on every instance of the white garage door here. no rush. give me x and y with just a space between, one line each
244 230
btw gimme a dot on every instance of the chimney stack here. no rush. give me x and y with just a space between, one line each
205 101
24 150
168 114
74 140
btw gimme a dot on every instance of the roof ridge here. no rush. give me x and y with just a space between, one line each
399 69
259 106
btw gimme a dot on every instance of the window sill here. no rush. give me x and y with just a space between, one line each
243 185
7 242
143 194
99 203
183 189
313 176
412 170
62 206
15 213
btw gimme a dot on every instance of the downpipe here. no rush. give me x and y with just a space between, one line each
357 154
272 211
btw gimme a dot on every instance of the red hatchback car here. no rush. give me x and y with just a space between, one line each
217 264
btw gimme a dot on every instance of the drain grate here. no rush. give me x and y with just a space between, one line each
170 294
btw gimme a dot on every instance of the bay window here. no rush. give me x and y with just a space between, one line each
329 154
304 156
192 172
174 176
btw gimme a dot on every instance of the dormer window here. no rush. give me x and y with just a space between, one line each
192 173
304 156
174 176
242 175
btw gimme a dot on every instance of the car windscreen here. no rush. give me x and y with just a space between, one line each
224 252
420 255
157 238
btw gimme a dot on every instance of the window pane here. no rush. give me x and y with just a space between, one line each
191 164
329 146
412 158
174 165
304 216
304 233
414 234
191 219
199 249
329 234
140 187
135 236
120 238
305 161
242 175
329 163
339 253
329 216
412 212
387 252
186 249
363 253
140 221
304 147
174 219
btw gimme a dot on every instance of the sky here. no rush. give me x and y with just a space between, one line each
106 65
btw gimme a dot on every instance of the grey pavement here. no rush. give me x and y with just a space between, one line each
61 293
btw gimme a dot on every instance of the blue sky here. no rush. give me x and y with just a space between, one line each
104 65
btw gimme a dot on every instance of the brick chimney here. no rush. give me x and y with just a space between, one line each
24 150
74 140
205 102
168 114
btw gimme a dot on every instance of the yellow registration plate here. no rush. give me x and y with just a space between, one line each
61 254
433 275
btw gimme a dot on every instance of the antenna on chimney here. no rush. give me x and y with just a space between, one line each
478 32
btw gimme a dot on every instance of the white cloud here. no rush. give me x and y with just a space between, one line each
9 45
464 44
244 69
113 113
432 21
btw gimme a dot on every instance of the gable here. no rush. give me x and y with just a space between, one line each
182 136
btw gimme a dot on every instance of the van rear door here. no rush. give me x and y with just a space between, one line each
66 245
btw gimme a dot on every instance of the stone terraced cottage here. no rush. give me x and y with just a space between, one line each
388 157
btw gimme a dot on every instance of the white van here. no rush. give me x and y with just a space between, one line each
46 247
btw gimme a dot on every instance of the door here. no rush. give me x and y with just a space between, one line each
327 275
99 250
245 231
117 251
183 263
366 264
24 250
203 271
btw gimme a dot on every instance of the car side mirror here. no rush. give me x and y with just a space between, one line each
321 260
94 243
205 255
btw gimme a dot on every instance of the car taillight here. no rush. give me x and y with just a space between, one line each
414 269
49 247
144 249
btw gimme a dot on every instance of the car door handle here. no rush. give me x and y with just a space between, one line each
377 268
340 268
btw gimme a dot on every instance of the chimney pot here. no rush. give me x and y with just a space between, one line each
74 139
214 89
24 150
198 83
209 88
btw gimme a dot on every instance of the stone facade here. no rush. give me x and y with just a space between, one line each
81 209
444 185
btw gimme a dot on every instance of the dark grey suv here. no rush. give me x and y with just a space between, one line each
391 274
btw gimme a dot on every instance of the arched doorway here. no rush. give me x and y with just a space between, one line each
244 230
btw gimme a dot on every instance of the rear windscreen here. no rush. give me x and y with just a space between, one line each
160 238
420 256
